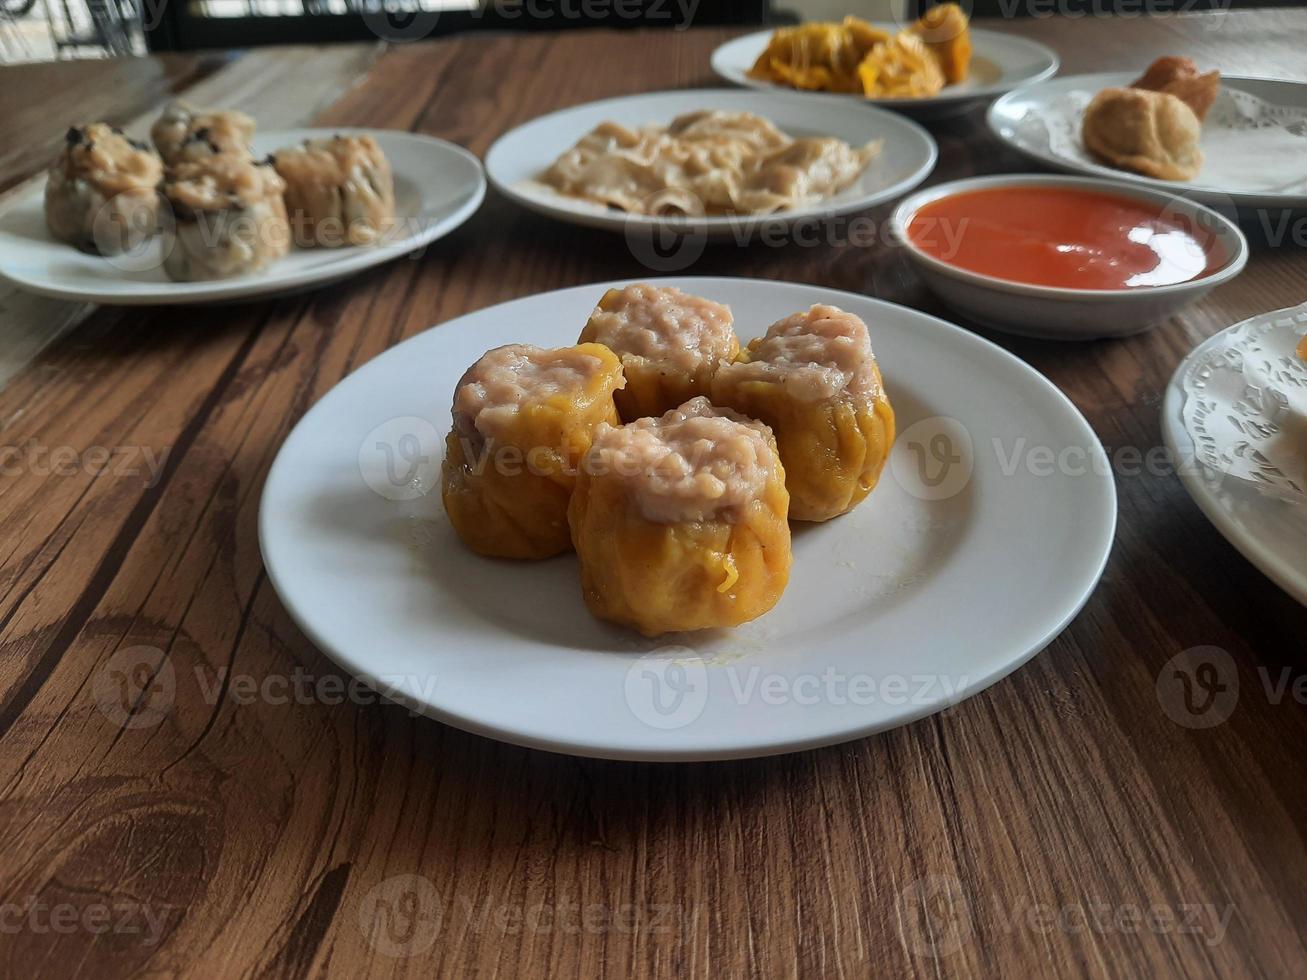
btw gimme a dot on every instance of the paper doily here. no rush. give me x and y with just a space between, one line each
1245 404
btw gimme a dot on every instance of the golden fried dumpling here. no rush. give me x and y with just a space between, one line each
947 34
523 419
814 381
1151 133
100 191
819 57
1180 77
669 342
901 68
339 191
680 521
1302 348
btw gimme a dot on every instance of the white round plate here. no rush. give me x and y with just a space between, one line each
1229 177
438 186
999 63
970 556
1270 533
517 159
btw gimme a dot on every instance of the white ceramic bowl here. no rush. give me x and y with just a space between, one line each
1058 313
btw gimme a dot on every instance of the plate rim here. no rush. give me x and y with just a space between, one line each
256 286
710 225
758 748
1202 192
941 99
1181 446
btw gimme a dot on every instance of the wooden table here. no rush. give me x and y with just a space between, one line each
1059 823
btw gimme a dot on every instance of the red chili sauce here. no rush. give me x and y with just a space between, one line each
1066 237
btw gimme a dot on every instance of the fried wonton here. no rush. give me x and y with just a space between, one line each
856 57
1180 77
1147 132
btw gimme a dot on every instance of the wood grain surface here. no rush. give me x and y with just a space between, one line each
165 812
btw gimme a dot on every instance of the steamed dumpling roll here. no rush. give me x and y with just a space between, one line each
679 522
186 135
814 381
228 219
339 191
100 191
523 418
670 344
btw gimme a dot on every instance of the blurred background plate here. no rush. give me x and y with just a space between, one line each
999 63
519 157
438 186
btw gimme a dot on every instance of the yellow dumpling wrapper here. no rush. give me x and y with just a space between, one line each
509 500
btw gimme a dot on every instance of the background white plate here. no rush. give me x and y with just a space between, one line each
1270 533
999 63
1014 119
926 593
438 186
519 157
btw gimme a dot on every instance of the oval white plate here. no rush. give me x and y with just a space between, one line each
519 157
999 63
438 186
1017 119
932 589
1270 533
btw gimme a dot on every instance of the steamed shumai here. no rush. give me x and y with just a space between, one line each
523 418
679 521
814 380
669 342
186 135
100 192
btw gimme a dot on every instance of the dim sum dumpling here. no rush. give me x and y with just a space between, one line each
339 191
186 135
100 191
523 418
1150 133
1181 78
670 344
228 219
814 381
679 522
